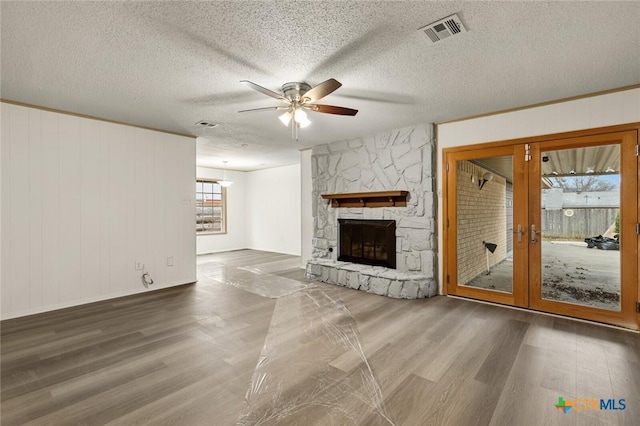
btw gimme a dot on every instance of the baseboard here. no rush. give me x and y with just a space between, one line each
531 311
222 251
85 301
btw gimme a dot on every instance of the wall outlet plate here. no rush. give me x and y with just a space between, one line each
170 261
139 265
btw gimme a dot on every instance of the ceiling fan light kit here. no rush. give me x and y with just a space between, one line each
300 96
300 117
285 118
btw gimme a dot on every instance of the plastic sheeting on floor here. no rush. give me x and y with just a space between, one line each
252 280
312 326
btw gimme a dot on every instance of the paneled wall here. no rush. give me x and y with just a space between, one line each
83 201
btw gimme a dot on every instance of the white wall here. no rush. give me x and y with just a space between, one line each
273 200
236 236
586 113
82 201
306 218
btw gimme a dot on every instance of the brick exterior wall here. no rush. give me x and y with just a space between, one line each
481 216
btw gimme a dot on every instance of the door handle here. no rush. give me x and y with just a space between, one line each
519 233
534 239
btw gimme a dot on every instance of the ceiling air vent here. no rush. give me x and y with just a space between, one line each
203 123
447 27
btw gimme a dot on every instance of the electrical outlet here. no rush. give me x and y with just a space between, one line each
139 265
170 261
186 200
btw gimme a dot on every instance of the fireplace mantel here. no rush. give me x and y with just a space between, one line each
368 199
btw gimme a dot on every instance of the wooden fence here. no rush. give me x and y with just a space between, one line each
578 223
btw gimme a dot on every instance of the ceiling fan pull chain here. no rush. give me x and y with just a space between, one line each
294 133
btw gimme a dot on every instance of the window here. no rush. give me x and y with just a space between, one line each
210 207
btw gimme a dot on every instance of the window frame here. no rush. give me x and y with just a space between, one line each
224 207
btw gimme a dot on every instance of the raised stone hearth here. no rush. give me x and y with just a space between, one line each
372 279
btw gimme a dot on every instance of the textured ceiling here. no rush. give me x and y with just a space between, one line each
168 65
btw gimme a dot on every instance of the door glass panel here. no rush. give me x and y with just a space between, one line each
580 219
485 223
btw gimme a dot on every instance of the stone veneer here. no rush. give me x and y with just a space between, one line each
401 159
372 279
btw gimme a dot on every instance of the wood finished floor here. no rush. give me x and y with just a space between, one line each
212 354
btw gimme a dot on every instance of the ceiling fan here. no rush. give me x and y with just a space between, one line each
300 97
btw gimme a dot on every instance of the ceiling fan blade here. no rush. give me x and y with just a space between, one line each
265 91
265 109
321 90
330 109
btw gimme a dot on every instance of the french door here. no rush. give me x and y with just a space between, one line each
549 225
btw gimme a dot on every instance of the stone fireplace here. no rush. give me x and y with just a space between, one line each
398 160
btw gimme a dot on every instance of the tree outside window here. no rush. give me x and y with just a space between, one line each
210 207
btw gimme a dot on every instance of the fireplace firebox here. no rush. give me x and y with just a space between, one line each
370 242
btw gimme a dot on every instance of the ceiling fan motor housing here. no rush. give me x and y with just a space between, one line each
294 91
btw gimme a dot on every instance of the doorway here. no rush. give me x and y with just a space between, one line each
548 225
